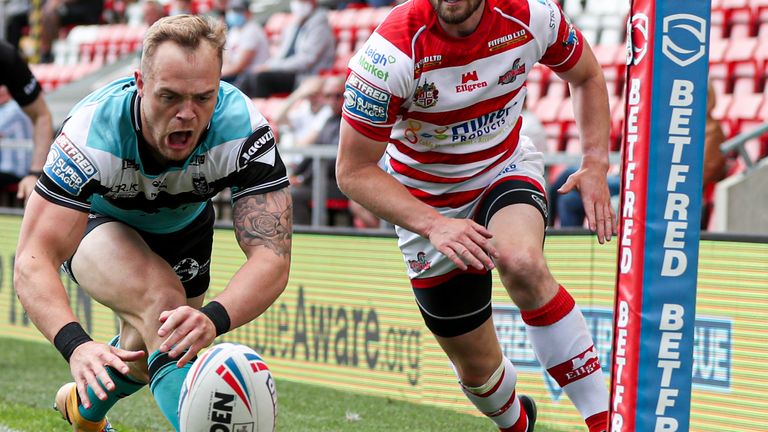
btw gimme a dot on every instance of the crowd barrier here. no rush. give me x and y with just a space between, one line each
347 320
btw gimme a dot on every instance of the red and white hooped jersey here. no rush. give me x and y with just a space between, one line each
450 107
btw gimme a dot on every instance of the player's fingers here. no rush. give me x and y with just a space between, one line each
183 344
488 248
568 186
105 380
608 222
95 385
589 212
168 320
600 224
119 357
126 355
483 231
451 255
469 256
82 390
188 356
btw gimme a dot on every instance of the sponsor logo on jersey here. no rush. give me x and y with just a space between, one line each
187 269
197 160
365 100
130 164
511 75
30 87
688 30
426 95
200 184
551 15
540 202
67 166
489 124
420 263
507 40
124 190
372 68
427 63
469 82
379 59
255 146
570 38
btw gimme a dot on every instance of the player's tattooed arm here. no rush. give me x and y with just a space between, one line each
265 220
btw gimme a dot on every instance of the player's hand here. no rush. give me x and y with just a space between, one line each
593 187
25 187
185 328
463 241
88 366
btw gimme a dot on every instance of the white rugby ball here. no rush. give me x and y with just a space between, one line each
228 389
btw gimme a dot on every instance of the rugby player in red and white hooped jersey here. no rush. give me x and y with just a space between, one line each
438 89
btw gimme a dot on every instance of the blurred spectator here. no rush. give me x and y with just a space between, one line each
362 217
308 47
715 168
533 129
58 13
568 207
180 7
16 18
327 135
303 113
570 210
14 124
26 91
247 44
152 11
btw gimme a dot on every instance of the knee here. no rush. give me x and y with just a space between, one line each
522 269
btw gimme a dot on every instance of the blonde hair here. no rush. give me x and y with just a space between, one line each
186 31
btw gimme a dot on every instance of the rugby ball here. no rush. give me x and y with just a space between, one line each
229 388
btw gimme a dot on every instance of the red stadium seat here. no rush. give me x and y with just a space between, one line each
744 110
740 60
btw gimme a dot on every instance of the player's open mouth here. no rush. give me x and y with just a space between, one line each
179 139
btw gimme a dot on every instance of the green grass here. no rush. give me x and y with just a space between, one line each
33 371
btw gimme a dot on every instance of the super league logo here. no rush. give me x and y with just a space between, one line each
688 30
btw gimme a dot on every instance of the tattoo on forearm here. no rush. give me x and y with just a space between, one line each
265 220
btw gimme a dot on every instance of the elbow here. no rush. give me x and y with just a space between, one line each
22 273
343 177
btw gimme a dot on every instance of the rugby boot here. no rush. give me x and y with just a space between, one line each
66 403
530 409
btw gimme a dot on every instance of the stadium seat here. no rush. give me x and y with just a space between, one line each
743 111
717 24
740 60
557 88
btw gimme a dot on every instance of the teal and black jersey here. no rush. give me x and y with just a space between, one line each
99 161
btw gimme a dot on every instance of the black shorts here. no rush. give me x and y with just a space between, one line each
462 302
187 251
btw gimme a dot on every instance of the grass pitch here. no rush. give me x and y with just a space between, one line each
33 371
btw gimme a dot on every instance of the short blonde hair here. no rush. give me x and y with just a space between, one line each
186 31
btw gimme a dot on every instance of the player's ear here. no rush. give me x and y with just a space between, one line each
139 82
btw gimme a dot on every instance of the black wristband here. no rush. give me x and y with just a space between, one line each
218 315
70 337
35 173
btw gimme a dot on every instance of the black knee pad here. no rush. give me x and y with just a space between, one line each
457 306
